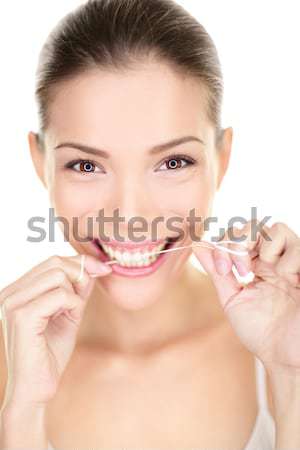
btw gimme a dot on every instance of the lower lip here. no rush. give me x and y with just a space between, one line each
133 271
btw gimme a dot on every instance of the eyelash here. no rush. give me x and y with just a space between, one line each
71 164
190 161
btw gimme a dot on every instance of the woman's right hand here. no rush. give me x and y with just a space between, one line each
41 314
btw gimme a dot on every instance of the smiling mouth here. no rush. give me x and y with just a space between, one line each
143 257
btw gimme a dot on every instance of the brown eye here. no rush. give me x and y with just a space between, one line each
174 163
86 166
179 162
83 166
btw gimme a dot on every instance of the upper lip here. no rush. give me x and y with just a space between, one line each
129 245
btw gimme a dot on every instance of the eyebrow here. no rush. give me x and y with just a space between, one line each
154 150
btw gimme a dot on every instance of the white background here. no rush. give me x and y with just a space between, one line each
258 45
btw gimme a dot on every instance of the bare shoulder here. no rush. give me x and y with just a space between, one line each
3 370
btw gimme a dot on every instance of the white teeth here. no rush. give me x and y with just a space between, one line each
126 258
108 250
118 255
136 259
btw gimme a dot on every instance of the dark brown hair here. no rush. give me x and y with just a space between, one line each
116 35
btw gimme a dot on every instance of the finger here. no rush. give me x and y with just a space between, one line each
240 242
288 265
226 285
91 265
281 237
29 276
35 315
241 262
44 282
222 261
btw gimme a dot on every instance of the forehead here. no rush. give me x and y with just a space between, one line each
144 106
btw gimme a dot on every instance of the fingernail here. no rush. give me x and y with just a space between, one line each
103 268
222 266
242 269
96 267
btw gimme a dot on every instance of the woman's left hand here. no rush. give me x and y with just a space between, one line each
265 313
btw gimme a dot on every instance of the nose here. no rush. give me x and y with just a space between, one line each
137 206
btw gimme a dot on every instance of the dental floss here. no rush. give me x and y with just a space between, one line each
80 276
204 244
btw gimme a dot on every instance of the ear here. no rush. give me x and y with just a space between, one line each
37 155
224 147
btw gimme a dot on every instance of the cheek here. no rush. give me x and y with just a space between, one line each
76 198
79 203
196 194
193 199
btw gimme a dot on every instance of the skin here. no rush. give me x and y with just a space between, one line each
158 343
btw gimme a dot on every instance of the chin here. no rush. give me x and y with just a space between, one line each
133 295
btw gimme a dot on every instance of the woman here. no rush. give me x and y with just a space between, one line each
147 353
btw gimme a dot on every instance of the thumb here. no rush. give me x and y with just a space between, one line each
92 267
227 285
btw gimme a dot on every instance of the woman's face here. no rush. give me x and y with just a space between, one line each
128 116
